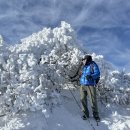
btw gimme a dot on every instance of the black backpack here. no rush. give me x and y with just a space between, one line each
92 71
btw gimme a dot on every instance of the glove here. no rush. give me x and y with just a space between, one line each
71 79
88 77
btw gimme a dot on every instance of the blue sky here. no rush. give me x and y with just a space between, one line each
102 26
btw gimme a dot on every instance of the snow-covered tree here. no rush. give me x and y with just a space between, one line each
33 72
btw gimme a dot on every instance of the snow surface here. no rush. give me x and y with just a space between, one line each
66 116
35 85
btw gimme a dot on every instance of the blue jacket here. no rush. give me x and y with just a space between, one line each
87 71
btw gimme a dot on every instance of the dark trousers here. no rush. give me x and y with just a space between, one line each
91 92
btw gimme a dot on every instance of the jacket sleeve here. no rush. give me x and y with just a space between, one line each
96 71
79 69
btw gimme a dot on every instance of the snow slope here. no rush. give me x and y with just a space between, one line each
66 116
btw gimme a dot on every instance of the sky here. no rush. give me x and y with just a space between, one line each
102 26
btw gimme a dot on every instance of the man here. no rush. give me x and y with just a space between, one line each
90 72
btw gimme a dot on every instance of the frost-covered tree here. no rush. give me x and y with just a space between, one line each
37 68
33 72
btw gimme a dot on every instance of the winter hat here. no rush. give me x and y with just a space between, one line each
88 58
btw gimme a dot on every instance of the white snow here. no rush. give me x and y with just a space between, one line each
35 85
66 116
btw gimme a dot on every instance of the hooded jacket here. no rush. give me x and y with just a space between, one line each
86 71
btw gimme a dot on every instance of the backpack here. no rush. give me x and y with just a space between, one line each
92 71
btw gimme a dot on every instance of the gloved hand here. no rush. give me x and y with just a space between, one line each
88 77
71 79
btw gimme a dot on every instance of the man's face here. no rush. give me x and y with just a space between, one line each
84 61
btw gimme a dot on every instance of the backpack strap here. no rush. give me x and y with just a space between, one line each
92 72
91 68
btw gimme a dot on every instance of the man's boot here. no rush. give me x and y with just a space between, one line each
96 116
85 116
